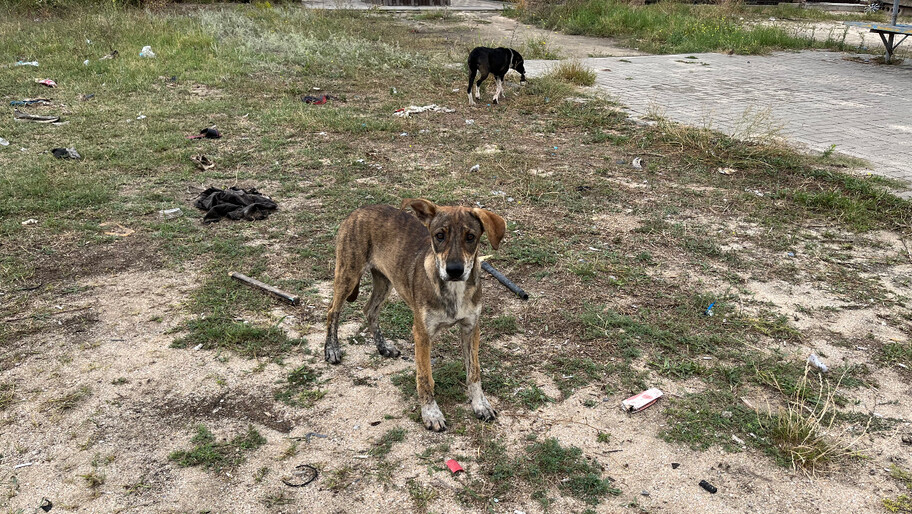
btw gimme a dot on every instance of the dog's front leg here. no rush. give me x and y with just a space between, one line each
470 337
430 412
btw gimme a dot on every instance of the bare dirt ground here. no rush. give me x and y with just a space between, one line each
101 399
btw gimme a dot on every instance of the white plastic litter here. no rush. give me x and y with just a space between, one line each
30 221
29 63
146 52
816 362
475 168
3 142
638 163
414 109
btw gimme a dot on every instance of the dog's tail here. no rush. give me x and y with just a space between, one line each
354 294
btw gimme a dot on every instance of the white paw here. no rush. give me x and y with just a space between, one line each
432 417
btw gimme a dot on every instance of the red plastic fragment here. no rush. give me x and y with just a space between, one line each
454 466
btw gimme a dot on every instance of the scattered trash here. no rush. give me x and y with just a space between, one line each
318 100
114 54
171 213
470 122
709 310
66 153
46 505
454 466
278 293
737 440
118 229
637 163
815 361
29 63
475 168
302 475
208 133
414 109
638 402
27 464
790 254
202 162
3 142
394 91
30 221
709 487
141 117
515 289
755 192
34 118
87 97
146 52
727 414
234 203
46 82
901 365
726 171
31 101
198 347
85 62
675 465
403 134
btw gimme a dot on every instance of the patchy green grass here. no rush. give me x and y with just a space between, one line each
385 444
299 389
217 455
242 338
68 401
671 28
574 72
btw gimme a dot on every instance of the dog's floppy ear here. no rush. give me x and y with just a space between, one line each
494 226
424 209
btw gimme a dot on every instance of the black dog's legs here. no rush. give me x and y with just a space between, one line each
473 70
484 75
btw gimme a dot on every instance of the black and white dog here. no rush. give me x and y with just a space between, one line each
498 61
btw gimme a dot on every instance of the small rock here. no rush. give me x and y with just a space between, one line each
675 465
907 439
645 493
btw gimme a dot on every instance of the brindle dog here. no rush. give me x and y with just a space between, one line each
431 258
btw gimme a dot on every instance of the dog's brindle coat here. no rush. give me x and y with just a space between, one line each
498 61
431 258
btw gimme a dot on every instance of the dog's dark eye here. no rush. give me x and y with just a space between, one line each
470 237
440 236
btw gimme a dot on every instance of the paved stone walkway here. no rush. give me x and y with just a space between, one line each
818 99
456 5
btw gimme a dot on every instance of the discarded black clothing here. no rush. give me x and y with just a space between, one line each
234 203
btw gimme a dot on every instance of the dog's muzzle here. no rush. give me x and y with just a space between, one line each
455 270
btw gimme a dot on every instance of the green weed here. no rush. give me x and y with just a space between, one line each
216 456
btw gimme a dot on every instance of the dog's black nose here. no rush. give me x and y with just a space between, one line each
454 269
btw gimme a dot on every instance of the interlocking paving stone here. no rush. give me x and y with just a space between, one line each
817 98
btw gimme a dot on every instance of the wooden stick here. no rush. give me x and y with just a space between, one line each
292 299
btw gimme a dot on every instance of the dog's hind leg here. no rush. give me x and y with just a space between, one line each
470 337
498 88
345 287
484 75
472 71
372 312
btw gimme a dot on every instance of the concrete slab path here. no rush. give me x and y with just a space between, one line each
817 99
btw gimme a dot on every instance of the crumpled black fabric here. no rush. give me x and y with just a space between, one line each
234 203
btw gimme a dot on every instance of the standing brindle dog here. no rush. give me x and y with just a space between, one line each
484 60
431 258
